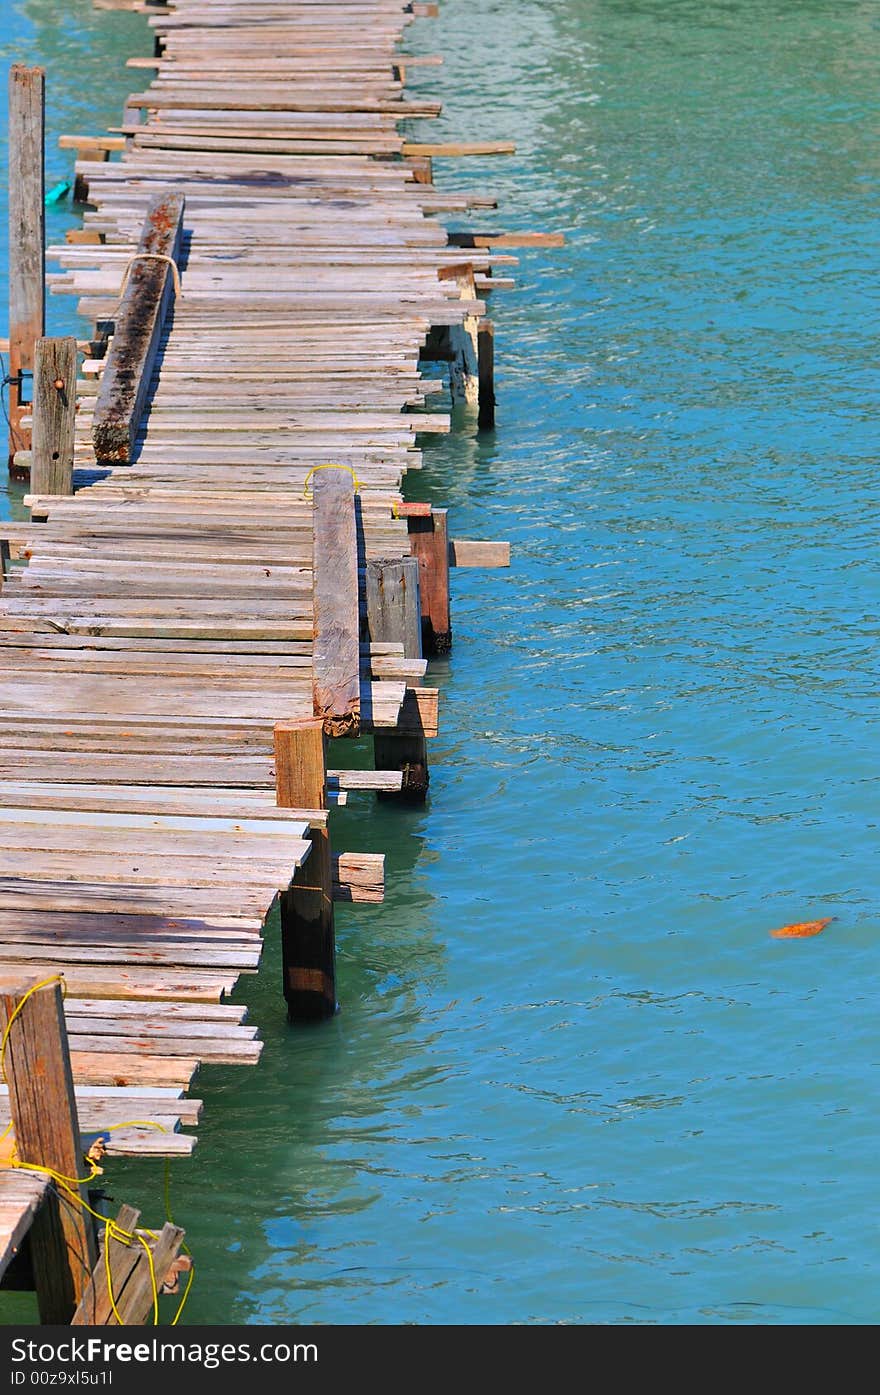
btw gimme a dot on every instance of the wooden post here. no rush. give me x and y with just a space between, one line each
27 238
429 542
308 944
43 1109
486 369
336 656
80 183
394 615
464 382
54 415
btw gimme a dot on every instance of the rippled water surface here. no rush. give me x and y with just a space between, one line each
574 1079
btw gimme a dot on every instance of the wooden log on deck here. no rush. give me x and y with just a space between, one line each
308 945
394 615
336 655
429 542
42 1105
54 416
27 238
141 315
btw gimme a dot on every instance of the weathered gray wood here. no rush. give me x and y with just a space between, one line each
27 235
142 311
54 416
336 688
467 552
43 1109
94 1308
394 614
393 608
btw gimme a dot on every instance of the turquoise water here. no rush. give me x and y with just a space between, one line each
574 1079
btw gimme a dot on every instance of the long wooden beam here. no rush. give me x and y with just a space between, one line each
336 660
139 321
27 238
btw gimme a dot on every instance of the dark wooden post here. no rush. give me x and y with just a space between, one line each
429 542
54 416
308 944
27 237
486 368
43 1109
394 616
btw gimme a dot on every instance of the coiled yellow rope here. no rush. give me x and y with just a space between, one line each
71 1185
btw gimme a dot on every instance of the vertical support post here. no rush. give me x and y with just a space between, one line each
43 1109
27 237
486 369
336 652
429 542
394 616
308 943
54 416
464 384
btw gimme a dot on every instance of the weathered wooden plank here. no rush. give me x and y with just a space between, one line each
43 1108
27 262
139 322
336 658
394 613
54 416
464 552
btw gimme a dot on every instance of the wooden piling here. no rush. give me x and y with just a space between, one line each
43 1110
27 239
394 615
486 373
464 380
429 542
308 946
54 416
336 657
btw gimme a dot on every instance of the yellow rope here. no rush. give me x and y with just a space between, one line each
156 257
71 1185
307 493
44 983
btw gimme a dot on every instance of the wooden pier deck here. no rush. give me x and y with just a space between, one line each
206 581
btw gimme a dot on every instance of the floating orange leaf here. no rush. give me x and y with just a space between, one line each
803 930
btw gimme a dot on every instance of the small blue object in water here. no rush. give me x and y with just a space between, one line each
58 191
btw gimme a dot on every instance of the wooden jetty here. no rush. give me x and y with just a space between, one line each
223 574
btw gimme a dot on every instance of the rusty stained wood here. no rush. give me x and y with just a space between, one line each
142 311
428 539
54 416
308 943
27 236
336 657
